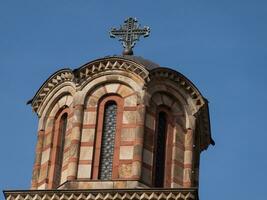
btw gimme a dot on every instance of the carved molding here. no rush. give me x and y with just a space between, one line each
103 194
201 103
52 82
114 63
181 81
91 70
85 73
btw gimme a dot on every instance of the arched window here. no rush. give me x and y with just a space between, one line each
62 129
160 149
106 150
108 141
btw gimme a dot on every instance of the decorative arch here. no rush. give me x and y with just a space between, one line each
79 78
162 154
59 153
99 149
56 80
167 141
111 81
48 140
124 97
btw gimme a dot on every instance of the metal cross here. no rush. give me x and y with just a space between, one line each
129 33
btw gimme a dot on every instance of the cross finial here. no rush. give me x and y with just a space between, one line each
129 33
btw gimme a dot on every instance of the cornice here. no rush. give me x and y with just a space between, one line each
105 194
56 79
85 73
181 81
201 102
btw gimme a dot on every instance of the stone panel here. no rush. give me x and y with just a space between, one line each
45 155
179 134
157 98
178 172
146 175
64 175
86 153
150 121
140 116
102 185
128 134
178 154
84 171
138 150
124 91
187 157
167 100
129 117
89 117
92 102
136 168
62 101
125 170
187 175
130 101
43 173
47 139
88 135
112 88
99 92
147 157
126 152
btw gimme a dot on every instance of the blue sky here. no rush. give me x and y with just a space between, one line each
219 45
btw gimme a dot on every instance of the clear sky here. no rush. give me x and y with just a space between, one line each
219 45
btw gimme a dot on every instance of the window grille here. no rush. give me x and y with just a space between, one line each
108 141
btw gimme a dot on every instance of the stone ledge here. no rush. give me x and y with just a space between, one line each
104 194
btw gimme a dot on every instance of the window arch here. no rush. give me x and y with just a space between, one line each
60 149
109 121
60 132
162 148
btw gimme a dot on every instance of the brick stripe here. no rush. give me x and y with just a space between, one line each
90 109
89 126
87 144
85 162
130 108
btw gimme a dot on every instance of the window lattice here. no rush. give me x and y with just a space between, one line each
108 140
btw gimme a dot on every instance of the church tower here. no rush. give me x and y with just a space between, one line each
119 127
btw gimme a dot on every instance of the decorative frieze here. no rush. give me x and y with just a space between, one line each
103 194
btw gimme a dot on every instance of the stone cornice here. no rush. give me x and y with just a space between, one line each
52 82
181 81
110 63
86 72
201 103
104 194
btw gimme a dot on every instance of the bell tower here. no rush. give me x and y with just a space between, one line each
119 127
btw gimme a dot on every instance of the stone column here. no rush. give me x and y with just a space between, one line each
139 141
75 141
37 161
188 158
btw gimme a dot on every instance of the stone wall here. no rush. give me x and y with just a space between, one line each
139 99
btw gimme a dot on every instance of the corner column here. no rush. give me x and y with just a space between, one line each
75 141
37 161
